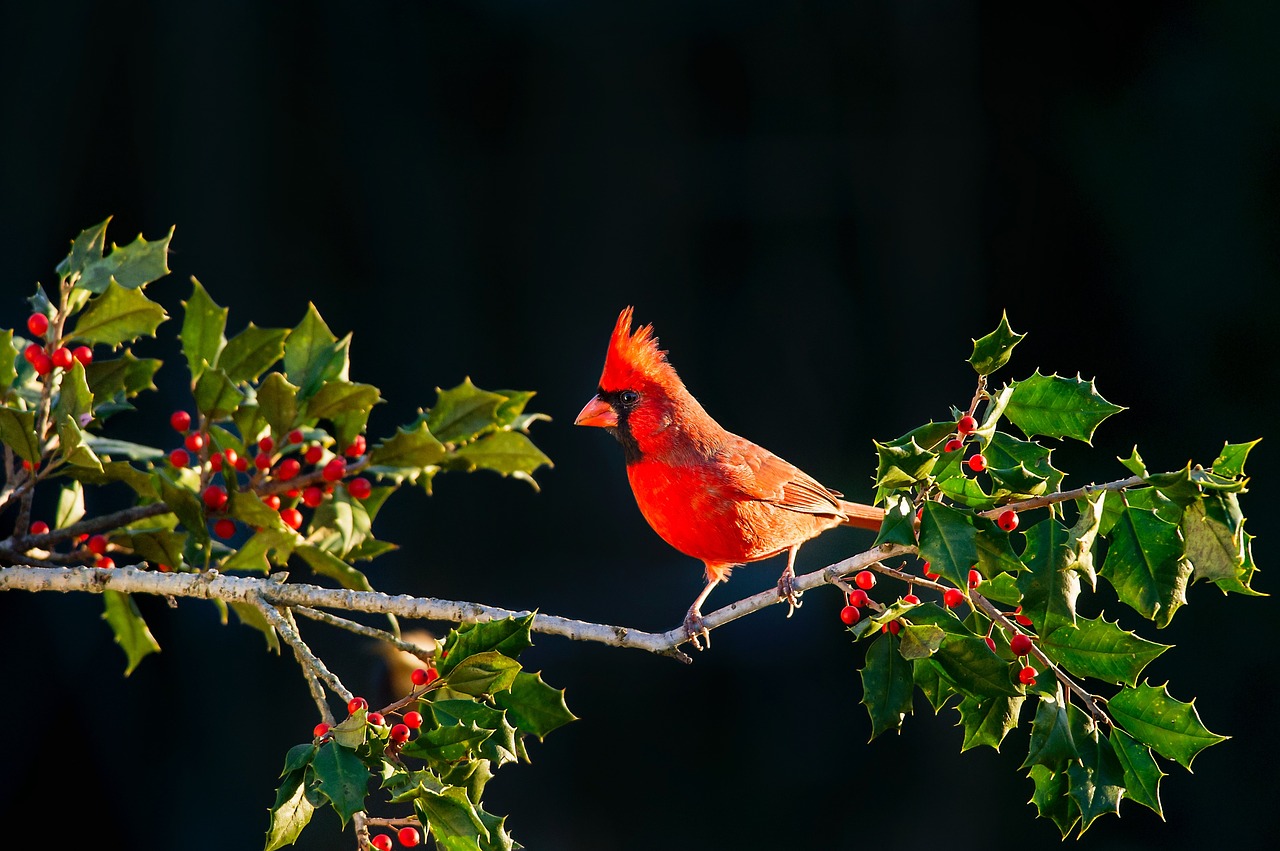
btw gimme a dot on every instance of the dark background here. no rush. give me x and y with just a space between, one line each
818 206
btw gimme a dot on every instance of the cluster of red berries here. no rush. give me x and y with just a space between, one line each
408 836
977 462
45 358
268 463
94 545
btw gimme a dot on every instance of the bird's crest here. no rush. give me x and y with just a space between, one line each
634 357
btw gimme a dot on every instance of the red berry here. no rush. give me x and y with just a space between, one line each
1022 620
975 579
214 497
179 458
334 470
432 673
266 444
413 720
953 445
850 615
912 599
356 447
194 442
1008 520
320 729
966 424
355 704
42 363
262 461
224 528
865 579
272 501
977 462
952 597
314 453
399 733
230 456
38 323
858 597
163 568
39 528
892 627
295 436
919 513
991 642
375 718
62 358
84 354
359 487
97 544
408 836
382 842
312 496
929 574
241 464
30 352
215 461
292 517
293 493
1020 645
1027 676
418 676
288 468
180 420
104 562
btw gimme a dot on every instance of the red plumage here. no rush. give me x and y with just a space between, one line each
709 493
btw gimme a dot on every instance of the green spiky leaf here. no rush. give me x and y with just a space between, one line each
1169 727
992 351
1145 564
118 315
203 327
131 631
1054 406
1102 650
886 685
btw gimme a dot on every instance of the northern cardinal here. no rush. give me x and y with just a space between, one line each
707 492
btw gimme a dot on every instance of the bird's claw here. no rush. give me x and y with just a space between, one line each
697 630
787 591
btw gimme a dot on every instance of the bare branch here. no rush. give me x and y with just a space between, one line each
309 661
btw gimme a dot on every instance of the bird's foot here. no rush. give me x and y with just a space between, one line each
787 591
696 629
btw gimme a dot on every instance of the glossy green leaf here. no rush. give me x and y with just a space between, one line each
987 721
407 453
451 816
919 641
886 685
508 636
898 526
126 375
1052 798
312 355
338 397
18 432
1049 587
976 672
215 394
1097 780
204 324
948 541
482 673
70 506
74 398
341 777
159 546
995 552
8 355
992 351
1213 535
463 412
1144 564
278 402
533 706
131 266
118 316
1102 650
109 448
1054 406
131 631
252 352
1083 536
510 453
1230 461
291 813
72 445
1169 727
256 554
184 503
86 248
902 465
1141 773
1052 742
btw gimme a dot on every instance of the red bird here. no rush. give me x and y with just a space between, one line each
710 494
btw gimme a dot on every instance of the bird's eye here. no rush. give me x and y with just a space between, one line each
628 397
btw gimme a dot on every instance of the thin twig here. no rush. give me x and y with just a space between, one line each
287 631
1064 496
428 657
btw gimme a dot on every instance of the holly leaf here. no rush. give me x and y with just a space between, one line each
1144 564
73 446
131 631
1052 744
987 721
339 397
118 315
18 432
85 248
898 526
312 355
482 674
1052 798
508 636
992 351
1141 773
510 453
342 778
1169 727
291 813
8 354
974 670
252 352
948 541
70 506
126 374
887 685
216 395
902 465
1230 461
463 412
533 706
407 454
74 398
920 641
1102 650
1054 406
132 266
1097 780
203 329
278 403
1213 534
451 816
159 546
1049 587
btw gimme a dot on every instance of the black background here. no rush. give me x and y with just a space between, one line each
817 205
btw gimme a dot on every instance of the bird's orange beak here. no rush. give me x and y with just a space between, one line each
597 413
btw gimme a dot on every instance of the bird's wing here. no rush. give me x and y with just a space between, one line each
758 474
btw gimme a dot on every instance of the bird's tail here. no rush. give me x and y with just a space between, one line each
862 516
